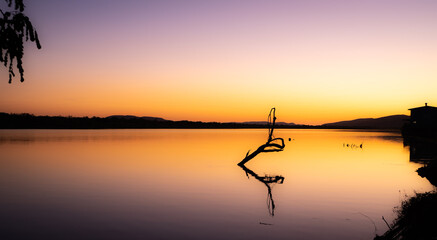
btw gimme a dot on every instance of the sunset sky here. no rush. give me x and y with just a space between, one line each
315 61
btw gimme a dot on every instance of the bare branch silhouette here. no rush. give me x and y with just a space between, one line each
272 145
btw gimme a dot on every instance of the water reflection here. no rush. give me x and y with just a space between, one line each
422 150
417 214
272 145
153 184
268 181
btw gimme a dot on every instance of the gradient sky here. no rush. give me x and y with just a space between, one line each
315 61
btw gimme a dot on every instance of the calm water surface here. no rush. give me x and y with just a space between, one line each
168 184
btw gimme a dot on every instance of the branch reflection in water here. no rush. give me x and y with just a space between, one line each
268 181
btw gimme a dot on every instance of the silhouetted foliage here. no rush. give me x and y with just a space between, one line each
28 121
416 219
429 171
15 28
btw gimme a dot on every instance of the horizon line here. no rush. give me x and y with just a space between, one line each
241 122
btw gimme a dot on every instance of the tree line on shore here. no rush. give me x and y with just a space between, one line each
29 121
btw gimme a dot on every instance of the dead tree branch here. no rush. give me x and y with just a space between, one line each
272 145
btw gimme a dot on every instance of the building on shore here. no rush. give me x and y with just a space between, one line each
423 122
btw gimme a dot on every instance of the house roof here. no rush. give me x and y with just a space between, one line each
424 107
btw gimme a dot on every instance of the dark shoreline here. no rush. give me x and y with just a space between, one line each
29 121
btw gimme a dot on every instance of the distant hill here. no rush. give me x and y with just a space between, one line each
389 122
135 117
29 121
